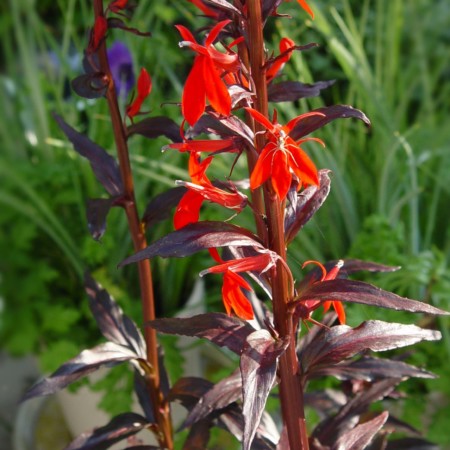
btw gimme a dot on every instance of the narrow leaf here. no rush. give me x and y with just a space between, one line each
314 122
86 362
198 436
142 394
119 428
115 22
338 343
369 369
411 444
113 323
221 329
104 165
290 91
305 206
193 238
258 369
218 397
96 212
364 293
359 437
160 207
153 127
188 391
331 429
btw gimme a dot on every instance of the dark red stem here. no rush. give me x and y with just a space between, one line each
160 405
291 391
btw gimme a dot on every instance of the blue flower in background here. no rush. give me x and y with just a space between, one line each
121 65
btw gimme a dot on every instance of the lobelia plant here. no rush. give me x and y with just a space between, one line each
226 95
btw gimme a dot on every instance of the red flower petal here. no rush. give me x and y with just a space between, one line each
144 87
98 33
206 11
302 166
117 5
185 33
281 175
263 167
215 31
306 7
194 92
263 120
188 210
233 298
216 91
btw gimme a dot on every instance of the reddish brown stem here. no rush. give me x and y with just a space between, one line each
291 392
160 405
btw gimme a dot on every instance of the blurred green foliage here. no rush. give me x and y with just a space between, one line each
390 186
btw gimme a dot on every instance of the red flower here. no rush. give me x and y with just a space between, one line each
286 48
204 81
326 276
232 295
117 5
283 156
201 189
98 33
144 87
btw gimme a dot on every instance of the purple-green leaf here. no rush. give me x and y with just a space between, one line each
341 342
96 212
195 237
331 429
115 22
113 323
220 395
104 165
220 329
86 362
312 123
359 292
119 428
304 205
369 369
153 127
290 91
258 369
360 437
160 207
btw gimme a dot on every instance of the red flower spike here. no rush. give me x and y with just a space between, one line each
285 45
306 7
326 276
205 79
98 33
144 87
282 156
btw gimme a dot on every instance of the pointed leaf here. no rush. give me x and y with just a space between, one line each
331 429
224 6
142 394
314 122
153 127
113 323
104 165
223 393
366 294
96 212
160 207
193 238
258 369
198 436
360 437
221 329
338 343
369 369
86 362
305 206
89 85
188 391
290 91
119 428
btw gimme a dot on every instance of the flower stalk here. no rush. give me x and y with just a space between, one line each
160 405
